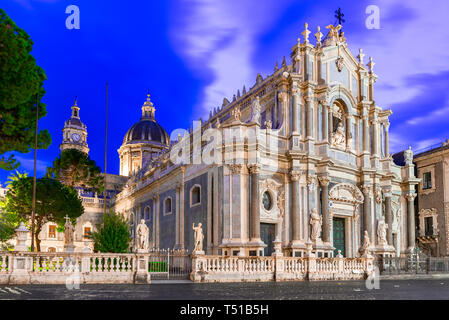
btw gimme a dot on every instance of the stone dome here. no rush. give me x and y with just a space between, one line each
146 131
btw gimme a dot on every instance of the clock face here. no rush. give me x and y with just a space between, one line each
76 137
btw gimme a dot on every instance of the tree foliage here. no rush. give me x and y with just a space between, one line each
21 80
75 168
53 202
112 234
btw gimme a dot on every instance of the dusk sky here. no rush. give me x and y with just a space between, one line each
192 54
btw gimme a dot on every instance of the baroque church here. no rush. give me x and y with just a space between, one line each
302 157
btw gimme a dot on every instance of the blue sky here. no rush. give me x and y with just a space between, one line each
192 54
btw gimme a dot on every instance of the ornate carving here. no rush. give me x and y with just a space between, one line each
339 63
367 190
378 196
282 96
255 118
295 175
236 113
311 182
254 168
346 192
235 168
281 202
324 180
315 222
306 32
338 138
268 124
382 232
410 196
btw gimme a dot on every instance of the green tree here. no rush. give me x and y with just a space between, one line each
21 80
54 201
75 168
112 234
8 221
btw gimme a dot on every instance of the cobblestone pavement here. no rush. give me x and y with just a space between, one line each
330 290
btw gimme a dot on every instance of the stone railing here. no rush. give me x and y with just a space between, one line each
65 268
212 268
278 268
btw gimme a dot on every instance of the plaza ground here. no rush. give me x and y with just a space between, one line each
422 289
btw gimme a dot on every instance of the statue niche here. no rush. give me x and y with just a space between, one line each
339 138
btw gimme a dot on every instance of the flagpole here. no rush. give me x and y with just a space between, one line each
105 151
34 176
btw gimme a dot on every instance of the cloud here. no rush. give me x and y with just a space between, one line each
411 40
217 41
28 165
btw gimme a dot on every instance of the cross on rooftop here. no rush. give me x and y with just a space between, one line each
339 15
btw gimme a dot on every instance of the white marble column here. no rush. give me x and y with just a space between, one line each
387 140
324 182
411 220
296 198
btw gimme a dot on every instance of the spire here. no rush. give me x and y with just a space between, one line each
276 67
284 64
75 109
148 109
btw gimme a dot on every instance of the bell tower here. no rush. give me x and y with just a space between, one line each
74 133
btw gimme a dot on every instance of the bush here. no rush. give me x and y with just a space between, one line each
112 235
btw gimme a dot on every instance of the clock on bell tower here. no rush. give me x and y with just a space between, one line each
74 133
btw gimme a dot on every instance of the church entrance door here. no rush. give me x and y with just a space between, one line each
339 235
267 235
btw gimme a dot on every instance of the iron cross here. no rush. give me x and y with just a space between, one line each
339 15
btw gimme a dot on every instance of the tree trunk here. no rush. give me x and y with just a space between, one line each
36 234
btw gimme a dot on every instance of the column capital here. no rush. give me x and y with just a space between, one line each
367 190
410 196
387 191
282 96
253 168
323 102
295 175
324 180
308 99
387 125
236 168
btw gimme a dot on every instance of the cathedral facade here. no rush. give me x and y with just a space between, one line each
300 158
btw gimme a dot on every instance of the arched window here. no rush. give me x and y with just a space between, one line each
51 249
167 206
195 195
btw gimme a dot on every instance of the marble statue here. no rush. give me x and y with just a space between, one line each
142 236
199 237
315 221
256 111
408 156
364 250
382 232
68 232
339 137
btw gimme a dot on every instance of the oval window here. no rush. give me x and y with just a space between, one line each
267 201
